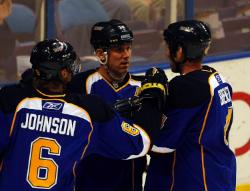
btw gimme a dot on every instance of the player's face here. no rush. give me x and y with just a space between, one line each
119 59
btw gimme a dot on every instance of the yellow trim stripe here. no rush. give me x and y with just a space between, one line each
205 120
201 133
14 118
89 137
208 109
59 95
203 169
243 187
125 85
100 77
12 124
117 90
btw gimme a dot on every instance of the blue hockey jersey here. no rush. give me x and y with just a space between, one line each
44 136
195 134
92 82
98 172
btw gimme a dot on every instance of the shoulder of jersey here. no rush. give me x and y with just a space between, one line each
189 90
88 100
93 104
77 84
82 76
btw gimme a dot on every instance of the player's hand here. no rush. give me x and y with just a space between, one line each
155 86
127 107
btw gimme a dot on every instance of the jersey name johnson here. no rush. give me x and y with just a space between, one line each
47 124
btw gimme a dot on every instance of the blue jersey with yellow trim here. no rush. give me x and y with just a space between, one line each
195 136
98 172
45 136
92 82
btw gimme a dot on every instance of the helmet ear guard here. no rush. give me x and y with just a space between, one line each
105 54
106 59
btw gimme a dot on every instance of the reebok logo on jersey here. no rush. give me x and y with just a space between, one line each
129 129
52 105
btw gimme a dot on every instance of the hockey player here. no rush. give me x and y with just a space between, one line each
45 132
199 118
112 43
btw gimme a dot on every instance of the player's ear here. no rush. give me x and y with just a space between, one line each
101 55
179 54
65 75
64 72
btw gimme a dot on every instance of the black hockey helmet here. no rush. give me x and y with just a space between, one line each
193 36
50 56
109 34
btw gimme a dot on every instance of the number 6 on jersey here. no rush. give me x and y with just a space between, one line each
37 163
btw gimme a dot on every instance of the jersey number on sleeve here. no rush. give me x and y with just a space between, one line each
42 172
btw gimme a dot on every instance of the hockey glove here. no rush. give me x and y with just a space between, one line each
155 87
127 107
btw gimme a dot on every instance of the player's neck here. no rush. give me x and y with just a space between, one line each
58 89
53 87
108 75
190 67
104 74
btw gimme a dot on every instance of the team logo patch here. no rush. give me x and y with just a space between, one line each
129 129
187 29
59 48
98 28
126 37
52 105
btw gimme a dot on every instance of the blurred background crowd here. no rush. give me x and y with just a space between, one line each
24 22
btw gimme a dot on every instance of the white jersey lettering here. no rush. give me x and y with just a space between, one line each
49 124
